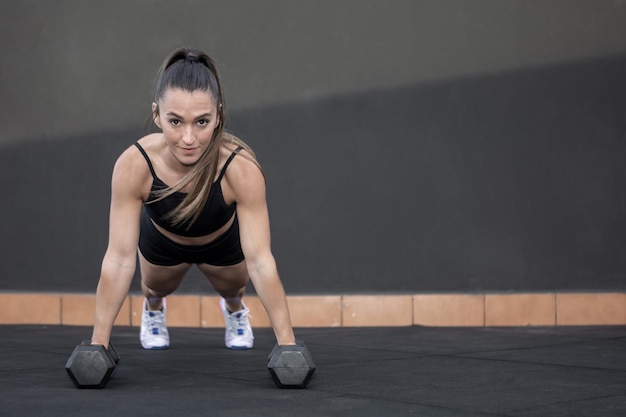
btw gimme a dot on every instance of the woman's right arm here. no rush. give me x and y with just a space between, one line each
119 263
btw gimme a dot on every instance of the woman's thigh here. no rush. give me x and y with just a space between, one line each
226 279
160 279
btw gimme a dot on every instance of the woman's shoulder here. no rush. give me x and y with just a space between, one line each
244 172
233 144
150 143
132 164
133 154
244 159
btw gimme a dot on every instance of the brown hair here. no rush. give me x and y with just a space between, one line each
192 70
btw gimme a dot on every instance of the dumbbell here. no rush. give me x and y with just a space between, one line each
291 366
91 366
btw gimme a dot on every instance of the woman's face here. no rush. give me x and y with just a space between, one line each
187 120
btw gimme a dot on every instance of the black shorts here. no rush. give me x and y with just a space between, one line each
160 250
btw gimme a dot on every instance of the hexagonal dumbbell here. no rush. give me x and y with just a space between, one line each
91 366
291 366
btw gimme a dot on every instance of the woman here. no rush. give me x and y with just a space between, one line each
190 194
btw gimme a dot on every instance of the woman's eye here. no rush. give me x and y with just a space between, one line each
174 122
203 122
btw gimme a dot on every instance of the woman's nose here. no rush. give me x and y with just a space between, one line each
188 135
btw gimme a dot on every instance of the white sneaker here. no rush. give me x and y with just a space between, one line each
238 331
153 333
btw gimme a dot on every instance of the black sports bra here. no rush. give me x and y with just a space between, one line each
215 213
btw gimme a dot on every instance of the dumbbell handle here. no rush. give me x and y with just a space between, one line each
299 342
110 350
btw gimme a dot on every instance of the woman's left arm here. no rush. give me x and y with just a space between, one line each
248 184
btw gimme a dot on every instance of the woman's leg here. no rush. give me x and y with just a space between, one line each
229 282
158 281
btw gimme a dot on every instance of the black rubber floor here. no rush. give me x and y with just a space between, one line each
410 371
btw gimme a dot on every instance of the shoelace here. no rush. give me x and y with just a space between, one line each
239 321
154 320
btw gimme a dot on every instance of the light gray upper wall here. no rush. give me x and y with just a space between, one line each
72 67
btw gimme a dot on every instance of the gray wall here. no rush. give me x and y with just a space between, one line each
409 146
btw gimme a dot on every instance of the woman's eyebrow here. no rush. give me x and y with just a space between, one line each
171 113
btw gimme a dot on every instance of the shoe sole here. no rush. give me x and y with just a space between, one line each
239 347
155 347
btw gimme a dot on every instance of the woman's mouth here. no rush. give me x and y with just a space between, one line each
188 150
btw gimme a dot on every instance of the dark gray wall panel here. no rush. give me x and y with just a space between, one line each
481 150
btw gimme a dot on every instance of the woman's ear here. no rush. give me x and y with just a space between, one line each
155 115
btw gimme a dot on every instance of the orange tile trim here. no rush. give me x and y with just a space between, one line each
476 310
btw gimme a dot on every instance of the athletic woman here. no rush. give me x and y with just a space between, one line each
190 194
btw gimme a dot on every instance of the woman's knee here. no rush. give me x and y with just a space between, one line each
230 294
160 281
159 292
